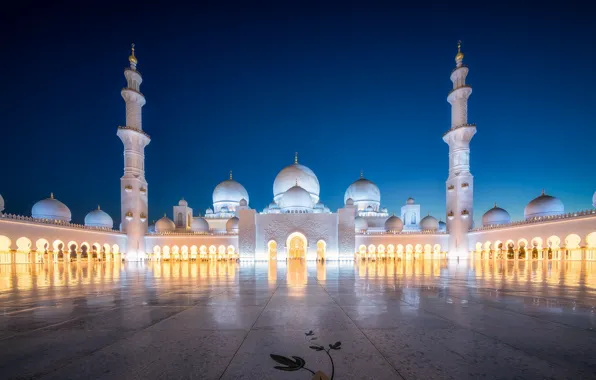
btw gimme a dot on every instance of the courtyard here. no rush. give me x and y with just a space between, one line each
411 319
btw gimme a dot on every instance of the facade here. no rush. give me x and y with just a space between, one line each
297 224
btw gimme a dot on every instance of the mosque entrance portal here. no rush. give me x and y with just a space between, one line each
296 246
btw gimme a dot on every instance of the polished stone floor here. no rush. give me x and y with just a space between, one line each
405 320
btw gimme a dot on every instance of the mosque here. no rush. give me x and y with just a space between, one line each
297 224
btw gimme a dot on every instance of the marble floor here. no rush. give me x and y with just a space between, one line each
405 320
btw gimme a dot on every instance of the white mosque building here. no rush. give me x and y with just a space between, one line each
297 224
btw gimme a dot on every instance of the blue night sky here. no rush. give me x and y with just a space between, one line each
349 86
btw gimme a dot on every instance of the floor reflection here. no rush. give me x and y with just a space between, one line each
490 274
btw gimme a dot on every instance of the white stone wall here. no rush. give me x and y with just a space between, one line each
314 227
190 240
345 234
403 239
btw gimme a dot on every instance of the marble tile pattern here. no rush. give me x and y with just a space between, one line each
404 320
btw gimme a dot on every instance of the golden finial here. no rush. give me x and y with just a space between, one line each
296 181
460 55
230 174
296 158
543 193
495 205
132 59
98 207
52 195
164 214
361 173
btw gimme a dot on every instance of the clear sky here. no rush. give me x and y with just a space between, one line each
349 85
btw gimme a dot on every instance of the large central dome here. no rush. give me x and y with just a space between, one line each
296 174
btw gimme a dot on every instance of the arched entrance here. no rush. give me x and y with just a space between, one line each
296 246
272 249
321 250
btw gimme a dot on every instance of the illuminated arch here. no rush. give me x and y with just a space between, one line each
372 248
221 250
362 249
23 245
165 252
478 247
428 249
272 250
212 250
107 249
297 245
591 240
5 244
572 241
115 249
409 248
418 248
157 252
321 250
231 250
437 249
194 250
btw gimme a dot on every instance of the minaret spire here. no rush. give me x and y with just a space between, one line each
361 173
460 183
296 158
230 174
133 185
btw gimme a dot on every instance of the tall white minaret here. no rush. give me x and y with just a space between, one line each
460 184
133 186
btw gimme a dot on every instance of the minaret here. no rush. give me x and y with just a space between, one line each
460 184
133 186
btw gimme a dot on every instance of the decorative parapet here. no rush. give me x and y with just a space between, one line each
459 126
134 129
192 233
28 219
462 86
423 232
540 219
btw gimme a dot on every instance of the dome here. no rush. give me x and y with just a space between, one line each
296 198
199 225
209 211
384 209
229 192
99 218
224 209
593 201
151 228
294 174
410 201
1 203
429 223
364 193
544 205
51 208
320 205
369 209
232 225
394 224
442 226
273 205
182 202
243 203
360 224
165 224
496 215
349 202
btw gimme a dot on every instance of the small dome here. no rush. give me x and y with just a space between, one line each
51 208
99 218
360 224
326 210
394 224
320 205
1 203
429 223
369 209
364 193
442 226
224 209
296 198
384 209
410 201
182 202
209 211
165 224
544 205
496 215
349 202
273 206
243 203
151 228
232 225
199 225
288 176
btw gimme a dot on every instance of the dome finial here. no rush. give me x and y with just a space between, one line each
495 205
230 174
543 193
296 158
361 173
98 207
132 59
52 195
296 181
460 56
